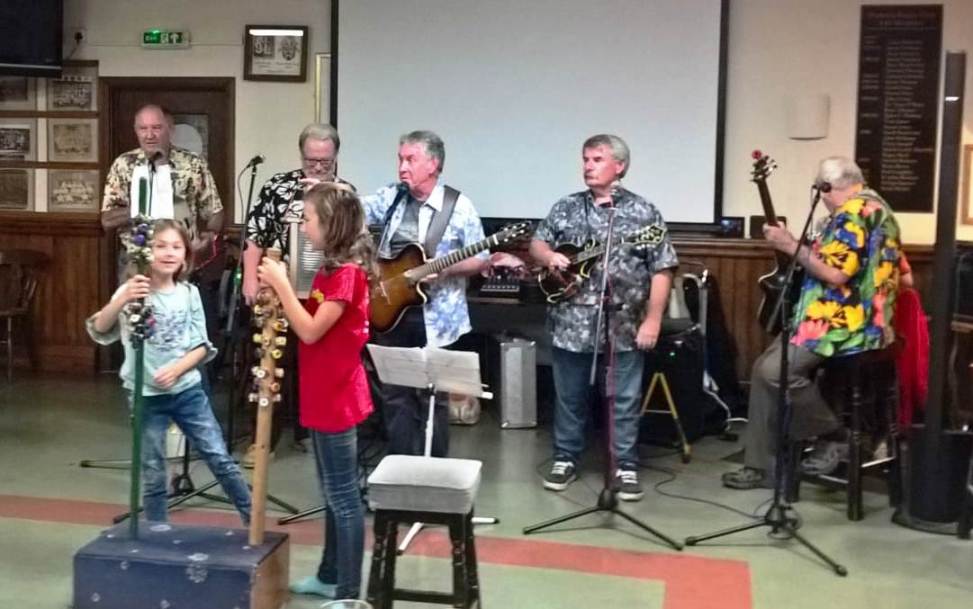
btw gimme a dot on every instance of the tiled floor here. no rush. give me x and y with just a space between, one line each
49 507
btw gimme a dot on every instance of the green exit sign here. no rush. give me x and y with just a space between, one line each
165 39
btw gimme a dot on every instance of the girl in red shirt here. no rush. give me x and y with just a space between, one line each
332 326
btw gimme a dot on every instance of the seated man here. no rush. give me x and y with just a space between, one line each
846 305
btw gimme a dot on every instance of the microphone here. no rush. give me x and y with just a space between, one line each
258 159
823 187
152 158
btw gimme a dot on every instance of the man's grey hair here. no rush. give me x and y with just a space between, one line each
839 172
620 151
431 142
319 131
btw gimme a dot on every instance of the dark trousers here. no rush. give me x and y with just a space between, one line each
405 410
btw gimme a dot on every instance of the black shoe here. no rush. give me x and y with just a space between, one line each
627 485
747 478
561 475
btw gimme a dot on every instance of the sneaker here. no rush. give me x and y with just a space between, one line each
627 485
562 474
825 458
747 478
250 457
313 586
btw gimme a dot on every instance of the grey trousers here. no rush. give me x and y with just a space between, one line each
811 416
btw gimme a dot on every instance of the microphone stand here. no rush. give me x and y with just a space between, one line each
607 499
781 516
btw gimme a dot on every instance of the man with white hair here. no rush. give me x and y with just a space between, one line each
845 307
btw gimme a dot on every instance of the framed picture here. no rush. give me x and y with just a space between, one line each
17 189
76 89
73 140
74 191
275 53
967 192
18 139
322 88
17 93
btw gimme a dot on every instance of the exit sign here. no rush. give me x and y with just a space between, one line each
165 39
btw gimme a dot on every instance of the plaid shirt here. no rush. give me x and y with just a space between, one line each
577 219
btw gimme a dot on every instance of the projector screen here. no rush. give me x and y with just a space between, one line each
514 87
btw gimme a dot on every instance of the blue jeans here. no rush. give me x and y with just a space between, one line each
192 413
336 455
574 398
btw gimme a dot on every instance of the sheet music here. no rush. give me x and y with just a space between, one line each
453 371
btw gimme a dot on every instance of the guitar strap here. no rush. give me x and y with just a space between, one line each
440 220
438 224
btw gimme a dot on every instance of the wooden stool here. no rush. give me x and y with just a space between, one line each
870 387
407 489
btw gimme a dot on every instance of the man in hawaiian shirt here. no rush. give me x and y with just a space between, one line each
182 186
406 210
846 305
639 279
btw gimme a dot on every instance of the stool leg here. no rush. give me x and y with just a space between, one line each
894 477
457 536
388 569
472 576
376 576
855 441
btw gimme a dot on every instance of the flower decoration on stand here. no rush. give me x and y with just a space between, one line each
138 246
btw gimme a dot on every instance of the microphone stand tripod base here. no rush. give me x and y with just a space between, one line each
783 525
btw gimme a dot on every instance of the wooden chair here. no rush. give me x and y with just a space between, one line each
20 271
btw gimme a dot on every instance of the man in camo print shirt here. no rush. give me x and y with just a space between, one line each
640 277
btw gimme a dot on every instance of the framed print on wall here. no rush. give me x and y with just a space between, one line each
18 139
967 191
17 93
72 140
275 53
73 191
17 189
76 89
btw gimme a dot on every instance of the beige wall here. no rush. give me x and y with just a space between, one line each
269 116
780 48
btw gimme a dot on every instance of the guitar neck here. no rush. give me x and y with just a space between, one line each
770 217
438 264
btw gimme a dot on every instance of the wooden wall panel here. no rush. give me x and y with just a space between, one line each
70 287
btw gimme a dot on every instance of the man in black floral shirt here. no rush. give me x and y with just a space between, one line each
266 225
639 282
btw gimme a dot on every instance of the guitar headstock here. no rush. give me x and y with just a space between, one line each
648 236
512 232
763 166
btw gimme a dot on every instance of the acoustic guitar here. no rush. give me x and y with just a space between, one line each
398 286
771 284
558 285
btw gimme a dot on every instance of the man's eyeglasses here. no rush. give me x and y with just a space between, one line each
323 163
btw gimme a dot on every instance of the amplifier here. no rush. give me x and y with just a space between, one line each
513 380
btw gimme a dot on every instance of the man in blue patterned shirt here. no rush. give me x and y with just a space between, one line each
406 210
639 281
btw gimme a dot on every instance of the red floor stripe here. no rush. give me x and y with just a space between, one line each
691 582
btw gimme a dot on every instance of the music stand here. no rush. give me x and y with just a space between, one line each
435 370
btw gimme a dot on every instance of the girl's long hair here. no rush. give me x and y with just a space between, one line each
160 225
343 228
